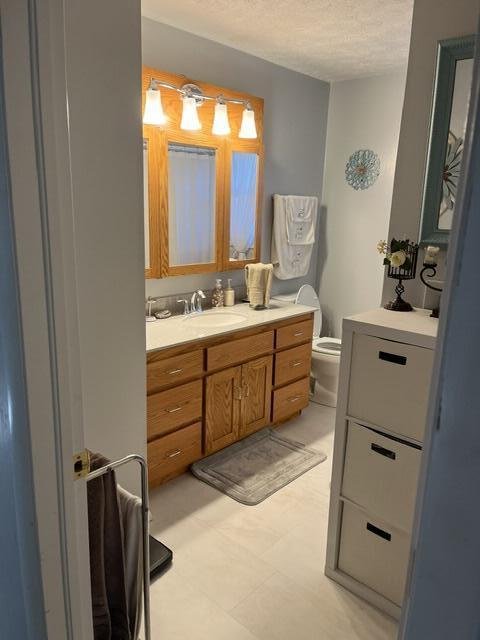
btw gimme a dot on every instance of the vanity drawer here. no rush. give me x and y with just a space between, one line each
173 454
290 399
232 352
170 371
171 409
374 553
293 363
389 384
381 475
294 334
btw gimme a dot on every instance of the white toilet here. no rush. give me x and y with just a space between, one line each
325 351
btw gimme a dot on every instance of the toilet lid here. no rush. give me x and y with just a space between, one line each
330 346
307 295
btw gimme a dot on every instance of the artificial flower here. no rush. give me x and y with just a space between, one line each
382 247
397 259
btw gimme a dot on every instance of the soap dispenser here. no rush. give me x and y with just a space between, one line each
218 297
229 294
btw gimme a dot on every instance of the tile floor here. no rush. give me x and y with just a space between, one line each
256 573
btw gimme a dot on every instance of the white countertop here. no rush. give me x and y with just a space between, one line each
177 330
414 327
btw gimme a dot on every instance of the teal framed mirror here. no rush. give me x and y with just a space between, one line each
447 133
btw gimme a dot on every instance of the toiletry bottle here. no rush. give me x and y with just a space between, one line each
217 297
229 294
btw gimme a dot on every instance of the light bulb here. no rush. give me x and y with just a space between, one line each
153 113
190 121
221 126
247 128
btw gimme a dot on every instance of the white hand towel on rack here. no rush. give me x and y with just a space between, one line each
290 260
300 218
131 514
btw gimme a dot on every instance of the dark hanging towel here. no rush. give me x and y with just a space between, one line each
107 564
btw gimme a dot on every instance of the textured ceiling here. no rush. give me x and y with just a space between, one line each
327 39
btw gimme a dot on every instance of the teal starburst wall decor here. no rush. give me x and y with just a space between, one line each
362 169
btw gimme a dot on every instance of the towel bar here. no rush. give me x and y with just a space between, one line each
145 542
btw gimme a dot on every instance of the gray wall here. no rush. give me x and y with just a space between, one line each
363 114
105 126
433 20
295 127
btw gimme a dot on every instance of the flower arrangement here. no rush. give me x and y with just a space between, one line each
401 258
397 256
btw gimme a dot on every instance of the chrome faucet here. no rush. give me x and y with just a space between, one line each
196 301
186 308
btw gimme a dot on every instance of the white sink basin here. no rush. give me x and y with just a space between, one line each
217 318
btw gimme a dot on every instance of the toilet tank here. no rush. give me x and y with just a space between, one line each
305 295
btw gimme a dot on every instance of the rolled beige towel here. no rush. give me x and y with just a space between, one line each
258 278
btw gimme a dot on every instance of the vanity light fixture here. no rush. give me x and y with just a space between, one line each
192 98
153 113
248 128
221 126
190 121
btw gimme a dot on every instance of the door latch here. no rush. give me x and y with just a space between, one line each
81 464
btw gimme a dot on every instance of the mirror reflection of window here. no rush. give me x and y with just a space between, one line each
146 211
243 205
191 204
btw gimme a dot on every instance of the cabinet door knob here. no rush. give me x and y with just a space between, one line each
237 393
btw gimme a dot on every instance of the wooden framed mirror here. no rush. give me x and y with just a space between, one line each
243 201
191 204
203 191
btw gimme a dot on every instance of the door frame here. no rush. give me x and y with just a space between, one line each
36 107
443 584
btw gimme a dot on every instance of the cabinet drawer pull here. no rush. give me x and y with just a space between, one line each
172 454
296 363
379 532
382 451
175 409
298 334
294 398
392 357
174 371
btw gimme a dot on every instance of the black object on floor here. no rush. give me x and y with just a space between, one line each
160 556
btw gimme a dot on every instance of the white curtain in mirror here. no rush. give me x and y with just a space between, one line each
191 204
146 213
243 205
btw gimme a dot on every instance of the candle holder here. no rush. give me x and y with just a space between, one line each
402 265
430 270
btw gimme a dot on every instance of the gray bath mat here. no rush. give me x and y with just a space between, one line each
251 470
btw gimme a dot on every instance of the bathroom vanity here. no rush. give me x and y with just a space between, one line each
218 376
385 375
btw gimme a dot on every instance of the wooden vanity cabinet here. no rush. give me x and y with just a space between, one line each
257 395
237 402
222 408
206 395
